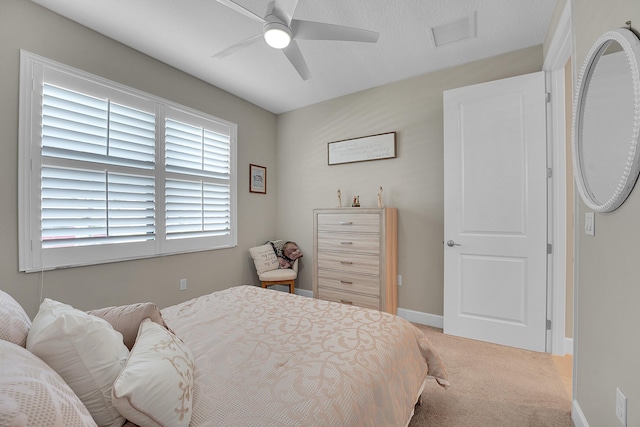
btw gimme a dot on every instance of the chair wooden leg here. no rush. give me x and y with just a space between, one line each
290 283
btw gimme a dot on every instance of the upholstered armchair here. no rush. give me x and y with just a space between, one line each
280 276
268 268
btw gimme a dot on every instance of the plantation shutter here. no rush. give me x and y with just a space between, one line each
97 179
198 191
109 173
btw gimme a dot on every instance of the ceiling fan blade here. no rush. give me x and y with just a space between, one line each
311 30
246 12
285 9
231 49
294 55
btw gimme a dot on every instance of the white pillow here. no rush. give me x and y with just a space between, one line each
33 394
156 386
264 258
14 321
86 352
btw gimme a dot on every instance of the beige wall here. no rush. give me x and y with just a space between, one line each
608 288
25 25
412 182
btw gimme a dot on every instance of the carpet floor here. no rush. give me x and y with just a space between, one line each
492 386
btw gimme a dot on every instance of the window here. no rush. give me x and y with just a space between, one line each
108 173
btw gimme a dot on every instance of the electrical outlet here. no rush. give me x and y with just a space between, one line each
399 280
621 407
183 284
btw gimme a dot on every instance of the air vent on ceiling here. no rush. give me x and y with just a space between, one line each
461 29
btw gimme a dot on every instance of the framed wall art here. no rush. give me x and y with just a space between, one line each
257 179
374 147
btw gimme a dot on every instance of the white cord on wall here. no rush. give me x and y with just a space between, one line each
41 284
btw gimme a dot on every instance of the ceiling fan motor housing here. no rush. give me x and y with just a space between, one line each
276 33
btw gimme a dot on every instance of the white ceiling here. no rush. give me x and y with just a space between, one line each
187 33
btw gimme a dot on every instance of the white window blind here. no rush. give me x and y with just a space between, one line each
197 207
81 206
109 173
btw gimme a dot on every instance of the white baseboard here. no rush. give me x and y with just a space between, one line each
421 318
568 345
303 292
577 416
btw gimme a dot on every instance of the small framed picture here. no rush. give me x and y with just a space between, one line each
257 179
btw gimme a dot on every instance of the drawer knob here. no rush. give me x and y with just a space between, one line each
346 243
346 262
344 301
346 222
346 282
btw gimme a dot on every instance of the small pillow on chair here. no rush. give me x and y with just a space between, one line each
264 258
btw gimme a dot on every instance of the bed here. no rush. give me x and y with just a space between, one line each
244 356
269 358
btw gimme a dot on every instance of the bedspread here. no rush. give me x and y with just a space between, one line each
269 358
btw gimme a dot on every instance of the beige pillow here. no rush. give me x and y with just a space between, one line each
85 350
33 394
126 318
264 258
156 386
14 321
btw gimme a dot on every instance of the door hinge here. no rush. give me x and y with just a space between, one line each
549 248
547 97
549 172
548 324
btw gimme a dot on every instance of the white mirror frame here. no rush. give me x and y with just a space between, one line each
631 46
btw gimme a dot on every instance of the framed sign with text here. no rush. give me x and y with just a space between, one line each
366 148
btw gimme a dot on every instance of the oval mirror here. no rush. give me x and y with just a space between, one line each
606 157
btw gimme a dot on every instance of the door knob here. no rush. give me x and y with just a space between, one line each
451 243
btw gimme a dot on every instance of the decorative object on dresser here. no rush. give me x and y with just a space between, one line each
355 257
380 202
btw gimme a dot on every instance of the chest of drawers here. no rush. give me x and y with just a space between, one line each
355 257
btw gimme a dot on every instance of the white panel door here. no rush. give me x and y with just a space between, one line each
495 210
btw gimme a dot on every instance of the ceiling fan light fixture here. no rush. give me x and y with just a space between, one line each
277 35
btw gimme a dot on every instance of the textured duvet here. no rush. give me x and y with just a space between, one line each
269 358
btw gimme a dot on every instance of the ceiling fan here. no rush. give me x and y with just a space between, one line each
281 31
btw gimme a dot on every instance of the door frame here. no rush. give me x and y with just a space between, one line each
558 54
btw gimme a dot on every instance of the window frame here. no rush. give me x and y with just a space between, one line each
34 71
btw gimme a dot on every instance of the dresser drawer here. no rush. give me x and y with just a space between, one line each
351 263
347 298
357 223
349 242
349 282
